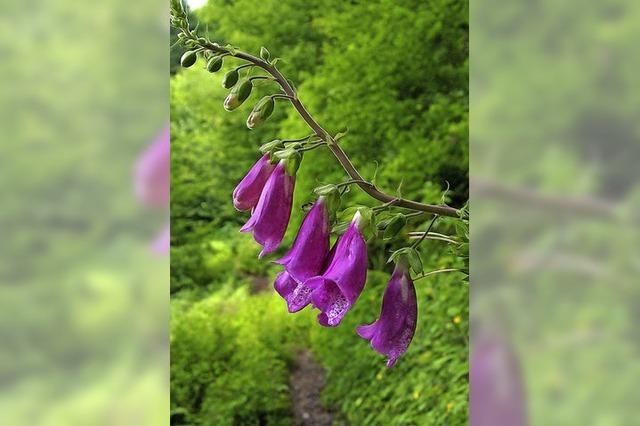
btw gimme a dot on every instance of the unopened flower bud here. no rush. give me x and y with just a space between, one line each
188 58
395 225
230 79
214 64
261 112
238 95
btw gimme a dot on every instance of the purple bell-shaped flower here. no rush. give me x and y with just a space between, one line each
337 289
247 193
270 218
306 258
391 334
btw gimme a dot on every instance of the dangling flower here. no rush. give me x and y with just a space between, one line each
247 193
151 177
391 334
337 289
307 256
270 217
151 182
497 391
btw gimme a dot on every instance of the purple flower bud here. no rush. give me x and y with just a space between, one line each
306 258
391 334
338 288
270 217
247 193
497 393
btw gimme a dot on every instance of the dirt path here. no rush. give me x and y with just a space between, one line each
307 383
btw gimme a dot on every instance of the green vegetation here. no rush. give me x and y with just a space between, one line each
396 76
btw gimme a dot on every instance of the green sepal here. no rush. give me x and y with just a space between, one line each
333 201
284 154
415 261
292 163
332 197
188 58
412 256
325 189
272 146
367 222
394 226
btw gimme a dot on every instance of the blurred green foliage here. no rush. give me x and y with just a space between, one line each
396 76
83 307
555 114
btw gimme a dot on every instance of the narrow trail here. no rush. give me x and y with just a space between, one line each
307 382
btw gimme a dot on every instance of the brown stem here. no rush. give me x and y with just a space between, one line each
337 151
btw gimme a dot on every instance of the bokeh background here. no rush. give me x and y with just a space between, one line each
83 297
554 205
394 73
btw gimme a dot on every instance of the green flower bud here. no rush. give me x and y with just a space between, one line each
245 90
394 226
214 64
238 95
230 79
261 112
188 58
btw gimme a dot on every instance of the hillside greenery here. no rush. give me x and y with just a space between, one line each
396 75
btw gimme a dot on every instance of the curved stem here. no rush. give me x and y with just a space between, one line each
437 271
417 243
337 151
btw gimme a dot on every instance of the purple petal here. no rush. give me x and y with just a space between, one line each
392 333
270 217
497 396
247 193
330 300
162 242
296 295
151 176
306 258
342 282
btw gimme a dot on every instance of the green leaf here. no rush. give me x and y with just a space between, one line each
341 134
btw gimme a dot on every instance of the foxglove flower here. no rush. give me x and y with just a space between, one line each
497 396
151 182
151 176
391 334
270 217
247 193
306 258
337 289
